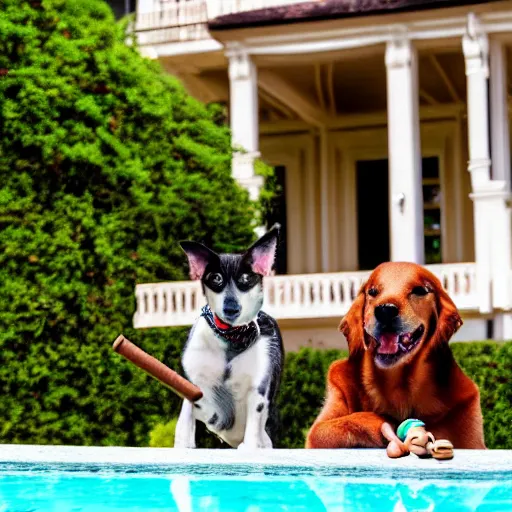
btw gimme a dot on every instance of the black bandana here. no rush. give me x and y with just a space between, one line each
239 338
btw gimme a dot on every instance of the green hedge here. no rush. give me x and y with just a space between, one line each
121 405
489 364
105 164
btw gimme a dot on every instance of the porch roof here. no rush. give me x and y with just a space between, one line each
326 10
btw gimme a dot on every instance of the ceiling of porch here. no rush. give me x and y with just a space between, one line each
310 87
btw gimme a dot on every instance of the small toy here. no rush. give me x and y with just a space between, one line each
417 440
169 378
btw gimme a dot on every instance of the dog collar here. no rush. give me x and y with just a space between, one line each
220 324
239 337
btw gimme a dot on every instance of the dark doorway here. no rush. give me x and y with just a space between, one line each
277 213
372 213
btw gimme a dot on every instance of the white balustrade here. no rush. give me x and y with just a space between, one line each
167 304
179 21
311 295
305 296
460 281
224 7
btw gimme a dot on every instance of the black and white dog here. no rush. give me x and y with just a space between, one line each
234 352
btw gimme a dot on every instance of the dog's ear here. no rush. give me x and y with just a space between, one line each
352 324
262 253
448 320
198 258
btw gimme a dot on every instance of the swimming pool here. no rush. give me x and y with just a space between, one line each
58 479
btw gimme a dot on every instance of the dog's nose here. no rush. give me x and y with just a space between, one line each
386 312
231 309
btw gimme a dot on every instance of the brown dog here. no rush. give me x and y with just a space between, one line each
399 366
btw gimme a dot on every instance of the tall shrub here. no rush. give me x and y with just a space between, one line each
105 164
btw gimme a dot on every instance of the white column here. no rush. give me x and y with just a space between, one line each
243 110
500 153
405 179
493 244
475 46
459 169
500 142
312 200
324 199
503 325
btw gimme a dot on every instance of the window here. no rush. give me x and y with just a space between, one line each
372 185
372 189
432 210
277 213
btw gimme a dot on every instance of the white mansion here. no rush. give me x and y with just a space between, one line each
388 125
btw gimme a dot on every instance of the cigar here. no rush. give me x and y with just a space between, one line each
157 370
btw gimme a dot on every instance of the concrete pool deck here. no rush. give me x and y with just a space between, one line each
481 461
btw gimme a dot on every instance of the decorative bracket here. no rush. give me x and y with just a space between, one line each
241 66
399 50
475 45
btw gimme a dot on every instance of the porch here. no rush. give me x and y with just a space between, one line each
290 297
382 129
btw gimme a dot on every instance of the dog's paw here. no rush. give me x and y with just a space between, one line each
267 442
396 448
264 444
248 447
184 444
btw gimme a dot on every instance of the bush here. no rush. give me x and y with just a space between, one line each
162 435
489 364
302 392
105 163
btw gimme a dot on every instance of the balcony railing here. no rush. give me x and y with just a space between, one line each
306 296
180 21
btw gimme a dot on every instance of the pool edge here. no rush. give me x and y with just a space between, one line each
464 460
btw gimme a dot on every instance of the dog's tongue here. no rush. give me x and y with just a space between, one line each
388 343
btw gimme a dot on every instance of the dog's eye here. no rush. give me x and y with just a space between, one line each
244 279
421 291
215 279
373 292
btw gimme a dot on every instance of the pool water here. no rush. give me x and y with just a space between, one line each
214 488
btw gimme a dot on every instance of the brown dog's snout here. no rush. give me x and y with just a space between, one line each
386 313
